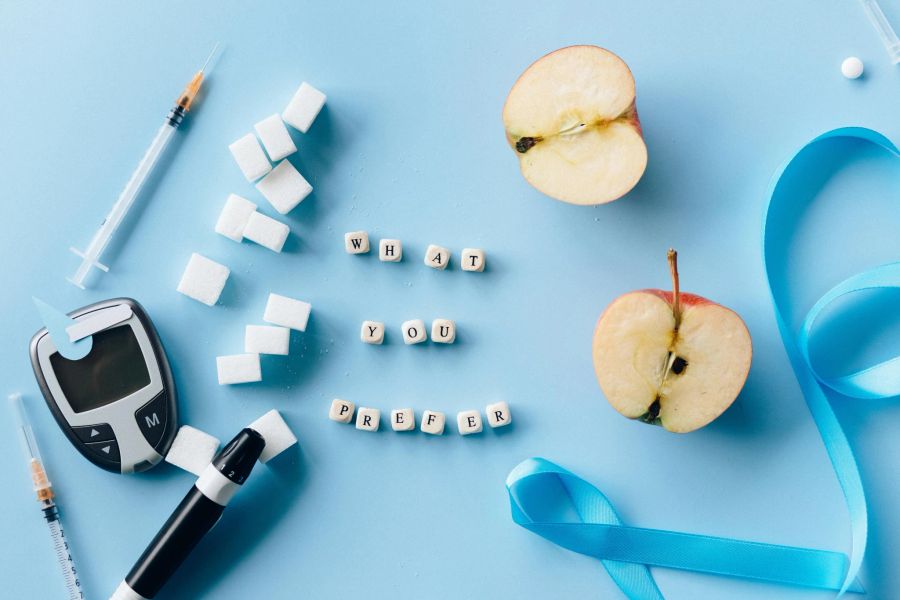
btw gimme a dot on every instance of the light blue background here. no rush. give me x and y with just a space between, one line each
411 146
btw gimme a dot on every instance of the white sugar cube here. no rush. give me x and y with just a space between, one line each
472 259
443 331
433 422
368 419
437 257
267 339
192 450
341 410
203 279
403 419
234 216
390 250
498 414
276 432
287 312
238 368
356 242
414 331
275 137
304 107
250 157
468 422
284 187
372 332
266 231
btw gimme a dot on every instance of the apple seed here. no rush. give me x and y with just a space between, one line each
525 144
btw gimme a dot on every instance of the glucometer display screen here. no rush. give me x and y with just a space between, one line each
114 369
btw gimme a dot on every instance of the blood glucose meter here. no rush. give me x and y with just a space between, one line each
117 405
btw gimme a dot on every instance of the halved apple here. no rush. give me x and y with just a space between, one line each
572 120
671 359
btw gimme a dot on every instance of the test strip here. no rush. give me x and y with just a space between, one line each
107 318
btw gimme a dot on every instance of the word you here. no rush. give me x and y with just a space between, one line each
443 331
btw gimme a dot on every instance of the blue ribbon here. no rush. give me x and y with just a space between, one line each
559 506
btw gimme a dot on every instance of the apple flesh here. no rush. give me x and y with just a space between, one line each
671 359
572 120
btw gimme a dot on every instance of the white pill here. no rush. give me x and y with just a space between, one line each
852 67
275 137
238 368
276 432
287 312
234 216
249 156
267 339
203 279
266 231
192 450
304 107
284 187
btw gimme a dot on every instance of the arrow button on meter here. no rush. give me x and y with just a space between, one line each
107 450
95 433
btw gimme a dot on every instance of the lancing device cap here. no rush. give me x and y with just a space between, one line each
236 460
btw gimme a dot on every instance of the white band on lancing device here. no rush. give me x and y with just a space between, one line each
123 592
216 486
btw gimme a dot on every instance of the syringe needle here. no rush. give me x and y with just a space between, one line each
209 58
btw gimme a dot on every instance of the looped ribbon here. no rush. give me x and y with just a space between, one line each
570 512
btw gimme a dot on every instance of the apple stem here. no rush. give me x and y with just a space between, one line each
676 290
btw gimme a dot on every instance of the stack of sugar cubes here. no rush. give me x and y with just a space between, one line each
284 314
284 188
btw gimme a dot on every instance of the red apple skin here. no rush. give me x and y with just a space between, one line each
686 299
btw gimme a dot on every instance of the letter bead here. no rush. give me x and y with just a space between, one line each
473 259
414 331
341 410
437 257
433 422
403 419
468 422
498 414
372 332
368 419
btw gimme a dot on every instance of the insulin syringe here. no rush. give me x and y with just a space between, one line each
44 491
90 257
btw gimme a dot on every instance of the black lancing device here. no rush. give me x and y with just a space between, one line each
192 519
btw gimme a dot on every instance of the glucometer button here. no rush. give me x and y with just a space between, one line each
105 450
151 418
95 433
